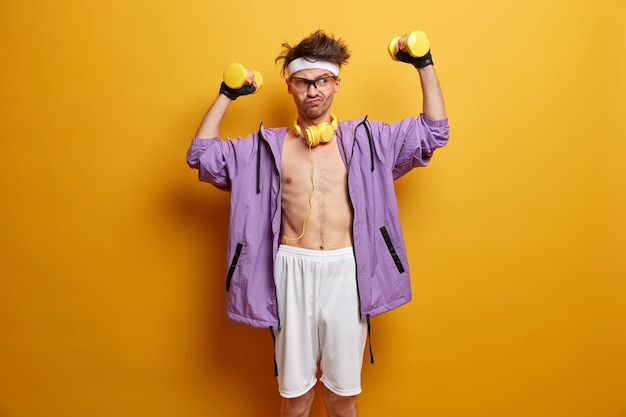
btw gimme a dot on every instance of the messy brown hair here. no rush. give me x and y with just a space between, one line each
318 46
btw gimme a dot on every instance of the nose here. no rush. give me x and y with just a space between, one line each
315 92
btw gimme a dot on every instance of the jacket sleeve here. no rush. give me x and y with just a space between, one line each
223 161
434 135
209 157
217 160
415 140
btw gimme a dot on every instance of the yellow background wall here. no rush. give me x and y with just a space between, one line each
112 261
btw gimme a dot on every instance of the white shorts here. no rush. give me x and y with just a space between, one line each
319 311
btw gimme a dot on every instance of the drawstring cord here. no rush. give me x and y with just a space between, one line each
258 160
369 338
369 140
274 340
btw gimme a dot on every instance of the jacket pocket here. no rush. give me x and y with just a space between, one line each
233 265
391 249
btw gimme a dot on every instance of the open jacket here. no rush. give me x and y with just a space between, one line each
375 154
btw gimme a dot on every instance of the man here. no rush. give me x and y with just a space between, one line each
315 246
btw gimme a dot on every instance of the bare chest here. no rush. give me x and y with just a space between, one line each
315 212
322 165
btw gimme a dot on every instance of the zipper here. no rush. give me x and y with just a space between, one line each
356 269
233 265
391 249
260 139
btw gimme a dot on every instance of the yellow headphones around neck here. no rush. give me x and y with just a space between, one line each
321 133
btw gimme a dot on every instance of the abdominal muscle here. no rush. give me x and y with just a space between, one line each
328 225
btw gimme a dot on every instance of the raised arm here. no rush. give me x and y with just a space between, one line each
210 126
433 105
238 81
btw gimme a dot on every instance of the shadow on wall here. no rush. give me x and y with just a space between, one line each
239 357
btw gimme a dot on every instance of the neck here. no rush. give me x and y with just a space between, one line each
305 121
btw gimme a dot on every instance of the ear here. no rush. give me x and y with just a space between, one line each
337 84
289 89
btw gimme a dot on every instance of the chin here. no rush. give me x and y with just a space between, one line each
315 112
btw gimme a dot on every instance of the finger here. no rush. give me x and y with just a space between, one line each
402 43
250 77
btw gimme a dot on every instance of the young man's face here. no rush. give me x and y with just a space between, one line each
313 99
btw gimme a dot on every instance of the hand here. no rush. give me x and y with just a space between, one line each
233 93
412 48
240 81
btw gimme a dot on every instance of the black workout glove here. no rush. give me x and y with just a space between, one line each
232 93
420 62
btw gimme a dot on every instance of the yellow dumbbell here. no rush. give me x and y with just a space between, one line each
236 76
417 44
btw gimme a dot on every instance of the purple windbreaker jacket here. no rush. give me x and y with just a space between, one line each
375 154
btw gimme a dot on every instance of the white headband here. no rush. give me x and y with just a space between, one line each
300 64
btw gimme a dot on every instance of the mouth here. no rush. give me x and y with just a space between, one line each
314 101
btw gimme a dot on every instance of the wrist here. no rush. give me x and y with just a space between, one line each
423 61
233 93
228 92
